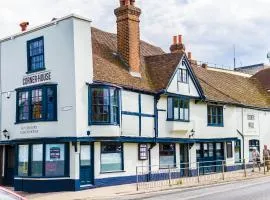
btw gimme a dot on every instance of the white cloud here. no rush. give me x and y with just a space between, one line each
210 27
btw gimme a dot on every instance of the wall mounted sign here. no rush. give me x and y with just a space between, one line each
37 78
28 129
143 151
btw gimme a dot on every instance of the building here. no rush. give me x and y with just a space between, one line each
252 69
81 107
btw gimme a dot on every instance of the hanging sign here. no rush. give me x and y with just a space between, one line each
143 151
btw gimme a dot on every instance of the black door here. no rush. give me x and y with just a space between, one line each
9 165
184 159
86 165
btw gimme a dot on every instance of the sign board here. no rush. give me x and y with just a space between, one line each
143 151
37 78
54 153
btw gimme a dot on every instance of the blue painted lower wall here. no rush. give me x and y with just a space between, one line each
42 186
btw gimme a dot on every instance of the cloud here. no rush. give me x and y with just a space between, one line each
210 28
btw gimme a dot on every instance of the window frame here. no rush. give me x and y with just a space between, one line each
28 43
174 155
216 107
184 100
110 105
44 103
30 156
122 157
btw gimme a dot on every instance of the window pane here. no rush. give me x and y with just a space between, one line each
23 160
23 106
55 160
111 157
229 149
100 105
37 160
114 105
37 104
170 108
166 155
85 155
176 108
51 101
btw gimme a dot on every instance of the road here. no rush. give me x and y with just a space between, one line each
256 189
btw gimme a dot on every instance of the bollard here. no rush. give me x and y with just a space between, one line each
245 168
137 179
223 170
170 176
198 171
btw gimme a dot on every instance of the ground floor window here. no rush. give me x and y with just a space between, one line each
111 157
237 151
229 149
43 160
167 155
209 151
253 144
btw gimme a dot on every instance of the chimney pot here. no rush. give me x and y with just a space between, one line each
174 39
180 39
24 25
204 65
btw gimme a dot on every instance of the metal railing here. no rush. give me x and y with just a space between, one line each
194 173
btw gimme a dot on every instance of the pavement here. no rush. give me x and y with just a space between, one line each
177 191
242 190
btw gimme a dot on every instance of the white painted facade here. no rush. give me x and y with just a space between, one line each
68 57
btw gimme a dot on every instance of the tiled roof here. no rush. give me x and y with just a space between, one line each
157 69
263 77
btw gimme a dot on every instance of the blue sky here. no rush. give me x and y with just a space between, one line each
210 28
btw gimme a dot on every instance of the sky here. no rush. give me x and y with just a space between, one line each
210 28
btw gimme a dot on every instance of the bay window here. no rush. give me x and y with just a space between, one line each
104 105
167 155
178 109
36 104
111 157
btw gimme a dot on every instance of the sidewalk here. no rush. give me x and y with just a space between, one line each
127 190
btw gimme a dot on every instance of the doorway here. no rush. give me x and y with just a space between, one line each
86 165
184 159
9 165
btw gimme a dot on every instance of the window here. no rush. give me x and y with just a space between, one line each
23 160
167 155
47 160
215 115
178 109
182 76
237 151
250 117
251 125
229 149
104 105
55 160
36 104
35 53
37 160
111 157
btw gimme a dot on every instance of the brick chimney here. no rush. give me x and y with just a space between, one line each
191 60
128 34
177 46
24 25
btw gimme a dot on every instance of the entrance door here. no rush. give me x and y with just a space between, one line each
86 168
9 165
184 159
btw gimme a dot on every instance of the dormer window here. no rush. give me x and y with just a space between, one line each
104 105
35 54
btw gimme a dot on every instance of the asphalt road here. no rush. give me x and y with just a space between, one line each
256 189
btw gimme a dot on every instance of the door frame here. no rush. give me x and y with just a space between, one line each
92 154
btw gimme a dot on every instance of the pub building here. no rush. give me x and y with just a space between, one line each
81 108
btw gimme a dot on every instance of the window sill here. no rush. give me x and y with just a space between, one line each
103 124
37 70
177 120
34 121
41 177
215 125
111 172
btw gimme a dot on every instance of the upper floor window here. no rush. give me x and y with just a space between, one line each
36 104
182 75
104 105
215 115
178 109
35 54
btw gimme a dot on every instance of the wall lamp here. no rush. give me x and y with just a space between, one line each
192 133
6 134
